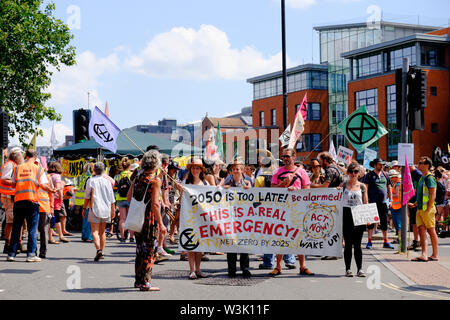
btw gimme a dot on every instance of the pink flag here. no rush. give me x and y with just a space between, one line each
107 109
299 123
408 187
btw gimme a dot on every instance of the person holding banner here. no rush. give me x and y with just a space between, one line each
147 186
354 194
196 176
293 178
333 175
237 181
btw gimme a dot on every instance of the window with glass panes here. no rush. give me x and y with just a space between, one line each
273 114
261 118
309 142
313 111
394 135
368 98
368 65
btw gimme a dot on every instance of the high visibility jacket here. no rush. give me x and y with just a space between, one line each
79 195
27 176
45 199
4 189
426 193
396 196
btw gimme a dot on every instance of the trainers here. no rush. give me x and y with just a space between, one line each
163 253
34 259
348 274
192 276
9 258
369 245
306 272
246 273
131 240
169 251
361 274
388 245
98 255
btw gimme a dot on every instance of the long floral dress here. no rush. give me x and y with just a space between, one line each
145 240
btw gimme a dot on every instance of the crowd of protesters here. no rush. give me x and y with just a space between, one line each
41 200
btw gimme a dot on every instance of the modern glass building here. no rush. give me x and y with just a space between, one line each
337 39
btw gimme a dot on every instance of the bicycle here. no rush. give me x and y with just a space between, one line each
115 227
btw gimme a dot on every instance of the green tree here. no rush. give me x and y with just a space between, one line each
32 42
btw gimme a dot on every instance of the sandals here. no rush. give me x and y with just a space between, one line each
275 272
53 242
99 255
419 259
148 287
306 272
432 259
201 275
192 276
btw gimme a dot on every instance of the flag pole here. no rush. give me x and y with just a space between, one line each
318 145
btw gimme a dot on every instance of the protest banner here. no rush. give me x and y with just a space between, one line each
369 155
72 168
261 220
405 150
345 155
364 214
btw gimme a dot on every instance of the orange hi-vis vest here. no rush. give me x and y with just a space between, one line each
45 199
396 192
4 189
27 176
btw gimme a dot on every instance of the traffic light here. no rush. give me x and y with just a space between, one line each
417 98
4 121
81 118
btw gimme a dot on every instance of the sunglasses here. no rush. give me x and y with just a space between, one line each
352 171
285 156
316 165
423 162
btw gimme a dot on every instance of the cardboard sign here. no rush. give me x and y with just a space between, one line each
364 214
369 155
345 154
408 150
261 220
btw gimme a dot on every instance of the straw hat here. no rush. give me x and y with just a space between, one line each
237 161
195 162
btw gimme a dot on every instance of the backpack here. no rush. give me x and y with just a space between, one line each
341 177
440 192
123 186
267 180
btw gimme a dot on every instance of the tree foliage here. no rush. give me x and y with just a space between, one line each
32 42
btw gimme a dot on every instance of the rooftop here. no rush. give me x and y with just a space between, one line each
383 23
300 68
393 43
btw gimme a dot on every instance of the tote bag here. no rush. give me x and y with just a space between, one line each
136 214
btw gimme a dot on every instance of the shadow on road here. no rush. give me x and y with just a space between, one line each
101 290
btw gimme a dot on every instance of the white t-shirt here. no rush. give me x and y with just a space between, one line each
103 196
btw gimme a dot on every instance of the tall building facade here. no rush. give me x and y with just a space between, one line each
338 39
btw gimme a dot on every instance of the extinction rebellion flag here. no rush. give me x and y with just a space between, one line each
103 130
362 129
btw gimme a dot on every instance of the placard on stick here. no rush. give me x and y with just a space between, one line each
364 214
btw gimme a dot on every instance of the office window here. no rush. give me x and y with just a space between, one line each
395 57
261 118
432 56
273 114
313 111
369 98
433 91
309 142
434 127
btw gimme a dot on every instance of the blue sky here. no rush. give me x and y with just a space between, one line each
182 58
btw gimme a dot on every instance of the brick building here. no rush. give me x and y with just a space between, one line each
372 83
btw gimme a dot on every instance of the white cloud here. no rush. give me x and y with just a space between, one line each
300 4
200 54
70 86
61 131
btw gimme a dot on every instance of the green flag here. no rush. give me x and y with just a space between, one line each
361 129
218 141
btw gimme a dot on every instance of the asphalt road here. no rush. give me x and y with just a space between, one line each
70 273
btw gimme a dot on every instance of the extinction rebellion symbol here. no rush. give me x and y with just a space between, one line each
102 132
361 128
186 240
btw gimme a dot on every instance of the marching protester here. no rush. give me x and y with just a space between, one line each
174 200
316 177
86 232
396 204
99 196
162 250
426 210
291 177
379 191
46 211
26 179
146 187
195 176
7 191
123 182
416 175
238 181
441 182
354 194
55 170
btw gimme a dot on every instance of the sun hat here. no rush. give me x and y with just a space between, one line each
195 162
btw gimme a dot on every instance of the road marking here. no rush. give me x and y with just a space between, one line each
419 293
393 269
2 290
49 276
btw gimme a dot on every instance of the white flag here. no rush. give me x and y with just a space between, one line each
332 150
104 131
285 136
53 140
299 124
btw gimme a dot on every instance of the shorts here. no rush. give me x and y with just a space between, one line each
123 204
8 205
63 212
93 219
383 214
427 220
58 215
